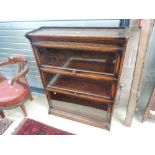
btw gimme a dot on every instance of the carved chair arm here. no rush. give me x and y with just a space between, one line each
13 60
5 62
23 66
21 74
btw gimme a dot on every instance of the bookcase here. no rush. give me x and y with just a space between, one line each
80 68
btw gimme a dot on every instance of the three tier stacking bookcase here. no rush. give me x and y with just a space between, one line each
80 70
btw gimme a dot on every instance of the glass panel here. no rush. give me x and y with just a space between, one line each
81 60
84 86
76 109
79 101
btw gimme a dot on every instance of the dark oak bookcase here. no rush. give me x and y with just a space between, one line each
80 66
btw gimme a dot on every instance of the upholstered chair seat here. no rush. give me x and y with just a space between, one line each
11 94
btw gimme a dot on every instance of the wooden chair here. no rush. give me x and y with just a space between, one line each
15 92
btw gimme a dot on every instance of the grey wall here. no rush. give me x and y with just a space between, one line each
13 42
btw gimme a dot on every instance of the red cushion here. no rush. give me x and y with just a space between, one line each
11 94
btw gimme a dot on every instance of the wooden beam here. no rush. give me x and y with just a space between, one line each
147 25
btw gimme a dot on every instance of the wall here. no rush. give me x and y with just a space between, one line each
13 42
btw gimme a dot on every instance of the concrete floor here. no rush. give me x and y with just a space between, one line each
138 139
38 110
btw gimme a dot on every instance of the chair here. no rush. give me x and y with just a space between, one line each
15 92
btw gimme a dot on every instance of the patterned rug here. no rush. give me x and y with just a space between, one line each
32 127
4 124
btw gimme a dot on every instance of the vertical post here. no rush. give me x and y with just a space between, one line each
146 29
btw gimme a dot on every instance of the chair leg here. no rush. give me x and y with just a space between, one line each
24 110
146 113
2 114
30 97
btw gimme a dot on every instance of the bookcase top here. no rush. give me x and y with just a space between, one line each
86 32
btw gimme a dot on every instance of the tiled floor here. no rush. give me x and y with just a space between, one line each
38 110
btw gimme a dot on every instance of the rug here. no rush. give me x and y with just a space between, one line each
33 127
4 124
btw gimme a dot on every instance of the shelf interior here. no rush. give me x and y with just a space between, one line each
81 85
81 60
78 101
90 65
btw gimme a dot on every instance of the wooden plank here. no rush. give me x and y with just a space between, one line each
79 94
78 46
141 54
77 73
